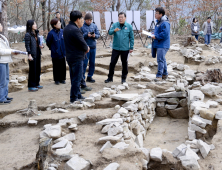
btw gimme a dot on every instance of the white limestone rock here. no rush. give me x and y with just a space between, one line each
194 95
204 148
96 96
117 107
32 122
218 115
54 131
70 137
109 121
139 140
156 154
115 130
125 97
191 134
147 153
180 151
139 86
122 111
189 163
197 129
212 104
211 90
121 145
198 121
21 79
106 146
112 166
77 163
61 144
89 99
82 117
65 151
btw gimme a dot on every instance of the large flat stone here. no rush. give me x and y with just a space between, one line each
109 121
179 113
172 95
125 97
77 163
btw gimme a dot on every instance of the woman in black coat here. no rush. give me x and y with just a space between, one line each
32 45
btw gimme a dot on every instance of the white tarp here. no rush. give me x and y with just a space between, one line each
133 16
108 18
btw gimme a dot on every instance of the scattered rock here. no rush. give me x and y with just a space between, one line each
218 115
77 163
180 151
106 146
121 145
61 144
112 166
156 154
125 97
32 122
109 121
211 90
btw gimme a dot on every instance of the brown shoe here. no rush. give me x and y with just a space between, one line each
164 77
158 79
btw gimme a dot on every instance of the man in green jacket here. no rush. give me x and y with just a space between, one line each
123 43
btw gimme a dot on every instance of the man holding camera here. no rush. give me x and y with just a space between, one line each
90 33
123 43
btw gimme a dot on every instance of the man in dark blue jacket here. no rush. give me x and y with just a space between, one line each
76 49
161 43
90 33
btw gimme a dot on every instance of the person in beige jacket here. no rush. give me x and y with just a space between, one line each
208 30
5 58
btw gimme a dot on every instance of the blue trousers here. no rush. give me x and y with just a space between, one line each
76 71
196 36
207 38
91 57
161 60
4 80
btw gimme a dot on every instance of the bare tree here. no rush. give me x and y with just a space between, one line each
3 18
43 3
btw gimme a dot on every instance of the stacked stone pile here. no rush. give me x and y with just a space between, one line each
173 104
59 140
193 55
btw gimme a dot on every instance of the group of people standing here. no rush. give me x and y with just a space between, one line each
76 44
207 29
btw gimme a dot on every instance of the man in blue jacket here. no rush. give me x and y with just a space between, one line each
161 43
90 33
123 43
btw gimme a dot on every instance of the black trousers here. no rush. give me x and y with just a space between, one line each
34 70
114 59
59 69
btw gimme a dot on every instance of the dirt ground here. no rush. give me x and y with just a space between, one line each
19 143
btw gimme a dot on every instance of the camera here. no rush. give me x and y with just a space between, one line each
92 33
